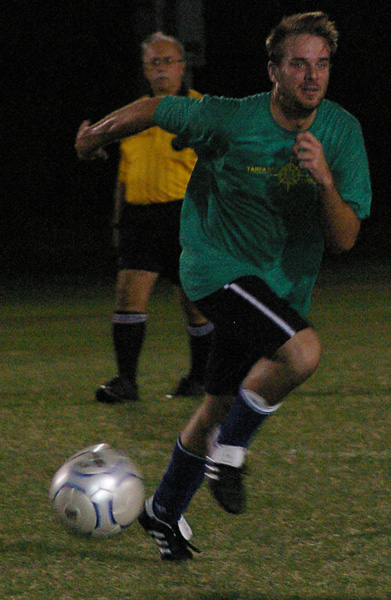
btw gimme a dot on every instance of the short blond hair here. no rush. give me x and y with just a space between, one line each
312 23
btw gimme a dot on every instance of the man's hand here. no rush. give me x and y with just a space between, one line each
85 146
310 156
340 223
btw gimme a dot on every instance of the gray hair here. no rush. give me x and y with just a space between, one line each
158 36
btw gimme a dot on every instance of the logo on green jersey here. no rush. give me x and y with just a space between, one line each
288 175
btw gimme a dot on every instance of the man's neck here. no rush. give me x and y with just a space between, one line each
290 119
165 92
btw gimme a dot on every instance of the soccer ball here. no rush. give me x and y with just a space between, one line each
98 491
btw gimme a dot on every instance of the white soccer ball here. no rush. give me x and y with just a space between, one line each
98 491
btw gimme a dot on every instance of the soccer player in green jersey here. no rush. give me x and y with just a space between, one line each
278 176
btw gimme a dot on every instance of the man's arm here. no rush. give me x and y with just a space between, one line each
122 123
341 225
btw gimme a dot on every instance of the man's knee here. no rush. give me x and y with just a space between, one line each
133 289
302 354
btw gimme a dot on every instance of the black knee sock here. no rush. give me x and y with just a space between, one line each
128 331
180 482
244 419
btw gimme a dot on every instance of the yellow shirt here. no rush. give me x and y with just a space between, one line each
151 169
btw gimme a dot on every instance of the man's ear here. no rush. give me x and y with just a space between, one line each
272 69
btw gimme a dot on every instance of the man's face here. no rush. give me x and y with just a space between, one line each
163 68
301 79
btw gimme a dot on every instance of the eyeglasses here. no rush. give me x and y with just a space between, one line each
167 61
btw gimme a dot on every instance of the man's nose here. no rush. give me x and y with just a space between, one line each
311 72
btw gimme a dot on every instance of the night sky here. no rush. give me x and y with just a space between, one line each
76 59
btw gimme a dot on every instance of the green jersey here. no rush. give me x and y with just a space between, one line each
249 209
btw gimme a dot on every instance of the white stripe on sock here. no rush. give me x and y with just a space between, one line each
257 403
129 318
200 330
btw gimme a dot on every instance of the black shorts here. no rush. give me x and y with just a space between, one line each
250 321
149 238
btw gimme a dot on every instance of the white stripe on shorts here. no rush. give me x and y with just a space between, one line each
262 307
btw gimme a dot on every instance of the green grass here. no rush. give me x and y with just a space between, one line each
319 510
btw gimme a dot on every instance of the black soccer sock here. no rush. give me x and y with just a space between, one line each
180 482
200 340
128 331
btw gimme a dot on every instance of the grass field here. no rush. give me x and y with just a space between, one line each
319 510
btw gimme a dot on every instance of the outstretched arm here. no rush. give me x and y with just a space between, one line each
340 223
122 123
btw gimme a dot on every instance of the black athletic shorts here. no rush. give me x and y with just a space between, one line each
149 238
250 321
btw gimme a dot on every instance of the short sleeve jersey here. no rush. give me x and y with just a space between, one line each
249 209
152 169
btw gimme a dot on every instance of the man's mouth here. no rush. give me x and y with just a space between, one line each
310 89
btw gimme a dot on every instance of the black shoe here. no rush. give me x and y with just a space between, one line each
171 540
118 390
226 485
189 386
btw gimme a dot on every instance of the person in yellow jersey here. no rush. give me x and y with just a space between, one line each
152 178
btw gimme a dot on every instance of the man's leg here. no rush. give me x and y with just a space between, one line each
274 378
243 331
269 381
133 291
162 516
200 332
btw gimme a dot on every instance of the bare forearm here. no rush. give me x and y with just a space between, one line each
125 121
122 123
340 223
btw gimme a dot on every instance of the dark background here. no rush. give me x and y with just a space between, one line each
76 59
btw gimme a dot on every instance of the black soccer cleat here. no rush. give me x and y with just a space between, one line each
172 543
189 386
225 469
118 390
226 486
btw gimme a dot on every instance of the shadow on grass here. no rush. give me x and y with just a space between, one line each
38 548
261 596
339 391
